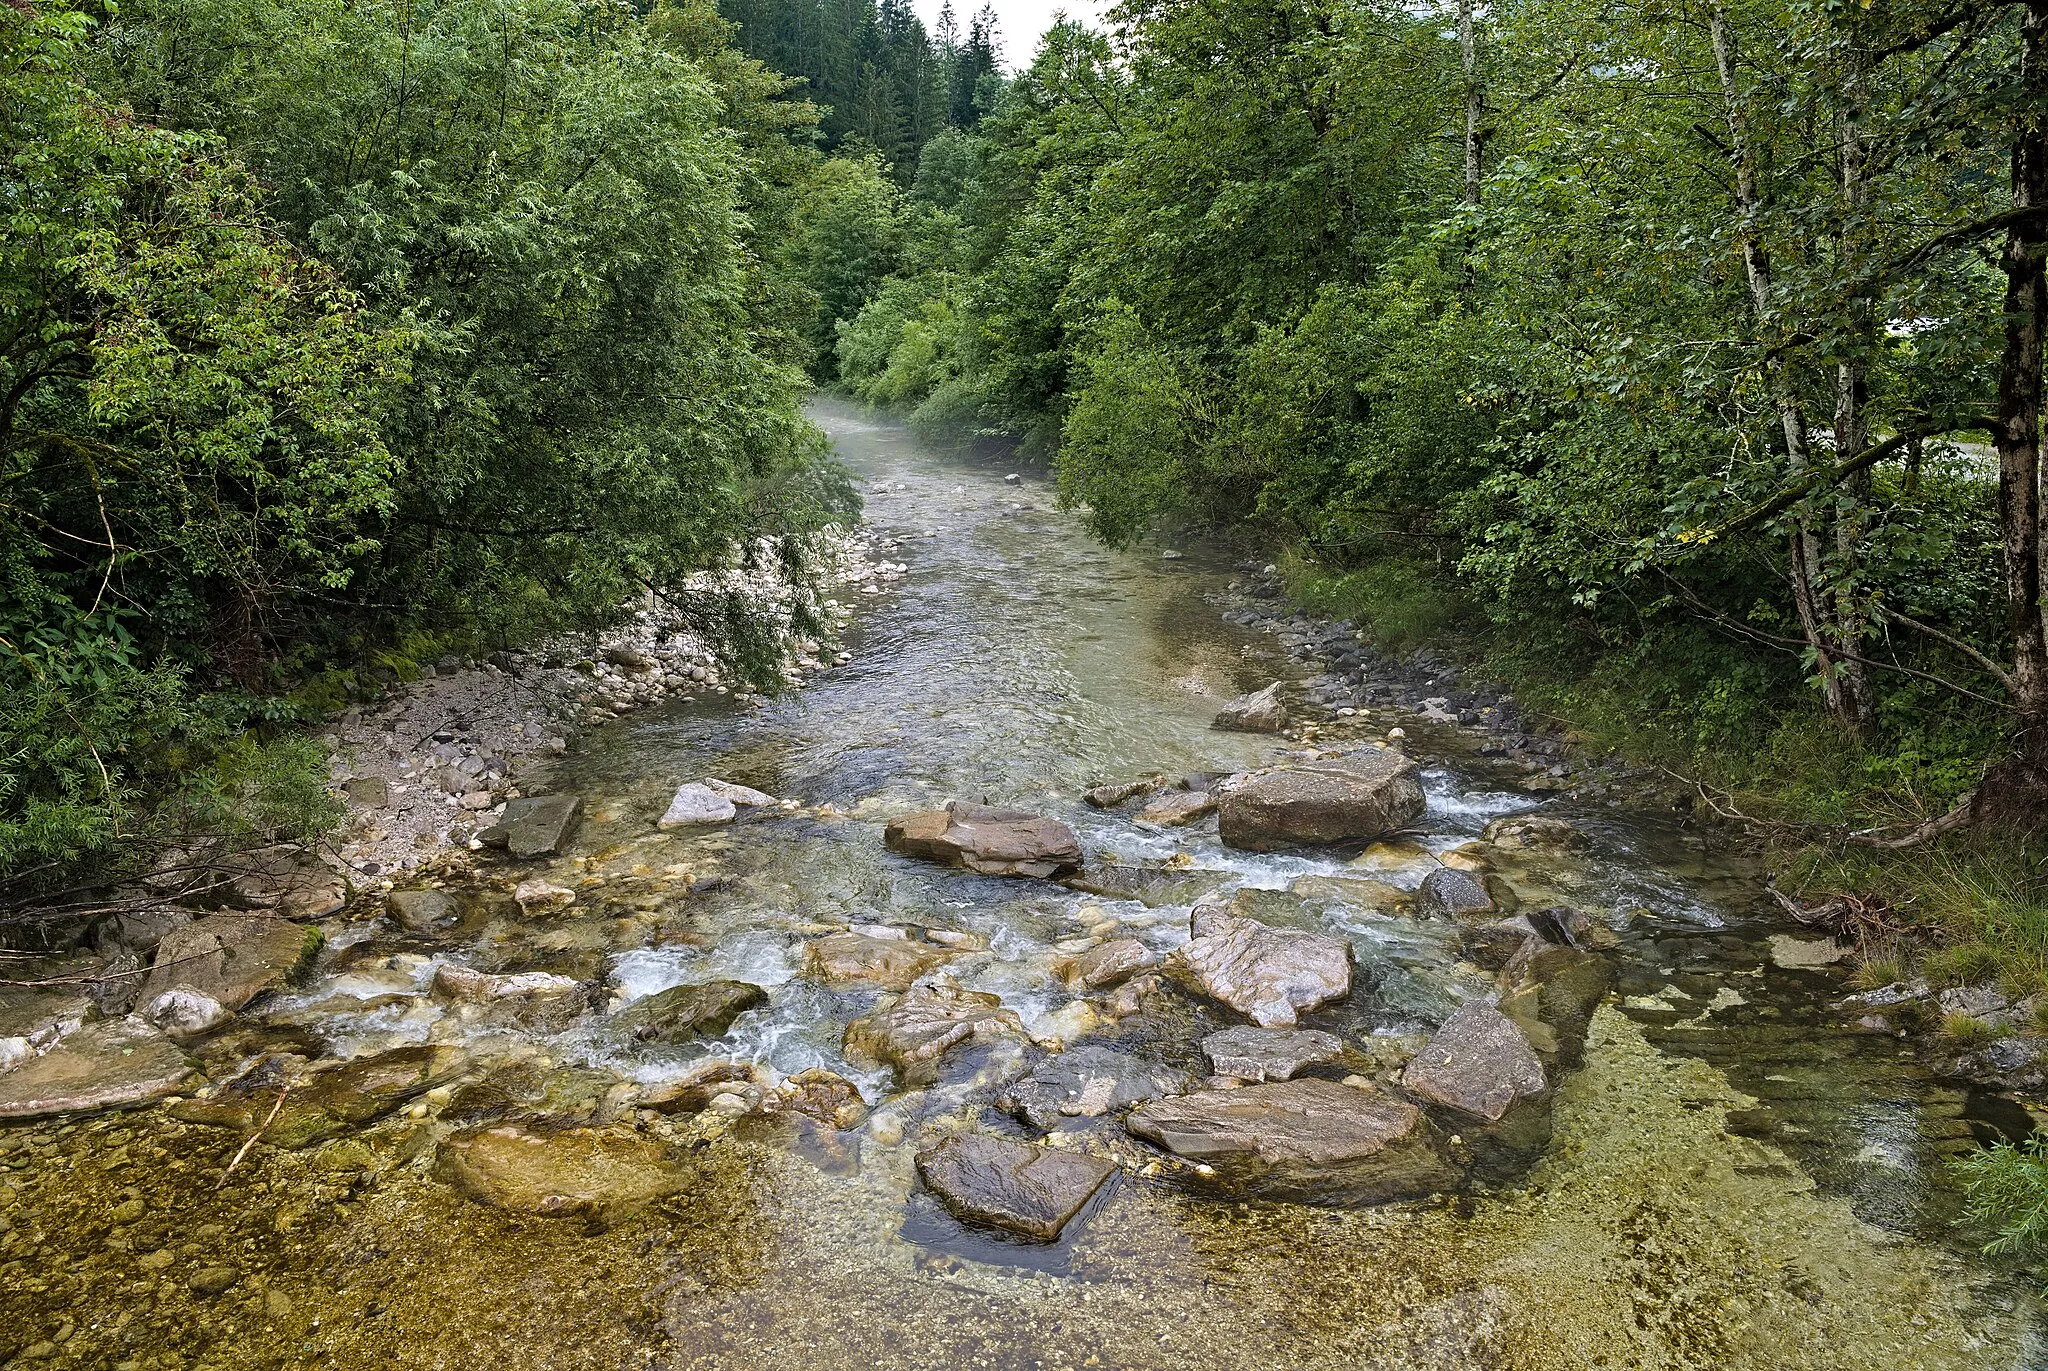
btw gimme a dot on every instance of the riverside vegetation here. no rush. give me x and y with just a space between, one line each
1681 366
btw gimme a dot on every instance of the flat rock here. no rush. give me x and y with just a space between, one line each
33 1020
534 825
1311 1141
1336 800
1536 832
101 1066
230 957
1108 964
536 896
697 803
420 911
745 796
1087 1082
683 1012
466 985
328 1103
1480 1066
1034 1192
1805 954
915 1031
371 792
1354 892
1262 711
844 959
1267 1054
992 841
1267 974
571 1173
1178 807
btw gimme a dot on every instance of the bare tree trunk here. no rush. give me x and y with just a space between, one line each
1852 424
2016 789
1804 553
1475 101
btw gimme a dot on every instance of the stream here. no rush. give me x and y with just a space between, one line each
1737 1178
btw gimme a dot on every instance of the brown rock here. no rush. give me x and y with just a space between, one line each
1178 807
994 842
1536 832
1107 965
859 959
1267 974
574 1173
1481 1069
1115 793
1034 1192
683 1012
825 1096
1337 800
101 1066
913 1032
231 957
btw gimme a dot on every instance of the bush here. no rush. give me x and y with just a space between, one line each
2006 1189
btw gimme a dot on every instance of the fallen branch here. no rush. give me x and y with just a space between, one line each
252 1138
1919 833
101 976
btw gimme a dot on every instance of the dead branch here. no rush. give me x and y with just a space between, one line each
252 1138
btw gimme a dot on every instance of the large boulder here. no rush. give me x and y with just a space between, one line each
534 825
1311 1141
230 958
684 1012
915 1031
844 959
992 841
101 1066
1262 711
1267 1054
1336 800
1480 1068
1087 1082
1033 1192
591 1173
1267 974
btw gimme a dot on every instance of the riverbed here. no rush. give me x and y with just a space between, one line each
1737 1177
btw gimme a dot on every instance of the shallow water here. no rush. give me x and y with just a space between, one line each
1736 1181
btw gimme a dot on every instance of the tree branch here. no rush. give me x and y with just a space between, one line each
1991 668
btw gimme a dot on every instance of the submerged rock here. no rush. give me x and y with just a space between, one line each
1034 1192
1265 1054
843 959
1480 1068
913 1032
602 1173
689 1011
101 1066
696 803
1115 793
536 896
1107 964
1087 1083
1311 1141
1148 885
534 825
1267 974
1337 800
992 841
420 911
825 1096
230 957
1551 993
327 1103
1261 711
1177 808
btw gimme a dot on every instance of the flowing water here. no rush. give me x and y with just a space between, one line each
1736 1180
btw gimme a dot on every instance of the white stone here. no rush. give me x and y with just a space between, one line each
697 803
742 795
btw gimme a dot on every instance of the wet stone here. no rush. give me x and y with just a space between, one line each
684 1012
1115 793
101 1066
1108 964
1087 1082
1311 1141
231 957
1261 711
534 825
843 959
602 1173
1447 893
1178 808
696 803
213 1280
1150 886
1337 800
420 911
912 1033
1264 1054
1536 833
992 841
1267 974
1480 1068
1033 1192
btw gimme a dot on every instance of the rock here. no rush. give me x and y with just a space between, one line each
1086 1083
860 959
231 957
1267 974
1034 1192
1551 993
1148 885
536 999
534 825
694 1090
746 797
1111 795
1264 1054
101 1066
696 803
1107 964
1259 712
213 1280
915 1031
34 1020
1177 808
184 1012
1494 945
1536 832
1447 893
371 792
1805 954
600 1173
536 896
1343 799
631 658
825 1096
283 878
420 911
1480 1068
1311 1141
689 1011
994 842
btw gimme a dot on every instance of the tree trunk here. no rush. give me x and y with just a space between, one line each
2015 792
1804 553
1475 100
1852 424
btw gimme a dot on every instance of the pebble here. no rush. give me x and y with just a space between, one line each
213 1280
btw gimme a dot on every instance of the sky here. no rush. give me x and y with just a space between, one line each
1023 21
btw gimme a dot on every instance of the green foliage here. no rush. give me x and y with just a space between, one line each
2006 1190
